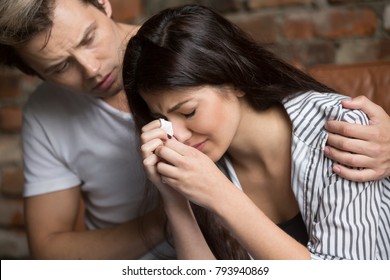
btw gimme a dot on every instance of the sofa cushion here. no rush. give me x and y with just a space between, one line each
371 79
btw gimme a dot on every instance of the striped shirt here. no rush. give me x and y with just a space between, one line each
344 219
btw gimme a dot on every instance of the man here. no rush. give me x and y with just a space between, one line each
79 139
75 141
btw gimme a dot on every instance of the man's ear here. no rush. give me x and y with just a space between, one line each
107 7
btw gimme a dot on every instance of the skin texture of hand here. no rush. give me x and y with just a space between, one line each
191 173
180 166
366 147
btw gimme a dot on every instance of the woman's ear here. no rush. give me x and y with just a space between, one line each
239 93
107 7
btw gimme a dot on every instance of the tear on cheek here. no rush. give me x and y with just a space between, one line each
167 127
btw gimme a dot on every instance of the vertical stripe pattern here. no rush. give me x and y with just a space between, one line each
345 220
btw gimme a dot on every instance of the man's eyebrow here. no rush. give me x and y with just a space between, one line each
178 105
86 33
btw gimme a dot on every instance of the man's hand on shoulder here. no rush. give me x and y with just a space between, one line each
365 147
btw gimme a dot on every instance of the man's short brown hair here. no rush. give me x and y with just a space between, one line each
21 20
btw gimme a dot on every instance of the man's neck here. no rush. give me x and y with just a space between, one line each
119 102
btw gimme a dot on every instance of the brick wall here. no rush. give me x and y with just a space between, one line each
308 31
304 31
14 89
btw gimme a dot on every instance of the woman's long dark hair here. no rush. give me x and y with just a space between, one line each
193 46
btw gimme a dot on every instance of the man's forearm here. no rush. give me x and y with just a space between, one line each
120 242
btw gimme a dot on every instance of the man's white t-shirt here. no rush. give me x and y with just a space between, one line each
71 139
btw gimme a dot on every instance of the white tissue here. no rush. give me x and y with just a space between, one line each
167 127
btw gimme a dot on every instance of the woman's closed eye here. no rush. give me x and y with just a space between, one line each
190 115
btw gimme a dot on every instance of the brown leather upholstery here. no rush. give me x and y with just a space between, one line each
371 79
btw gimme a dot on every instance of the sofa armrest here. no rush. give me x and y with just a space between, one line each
371 79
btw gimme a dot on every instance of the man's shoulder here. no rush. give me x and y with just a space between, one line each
52 99
49 92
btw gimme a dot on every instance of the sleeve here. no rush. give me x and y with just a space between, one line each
346 221
44 171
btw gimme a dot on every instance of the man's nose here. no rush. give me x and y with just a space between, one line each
89 64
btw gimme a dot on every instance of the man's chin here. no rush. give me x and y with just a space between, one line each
104 94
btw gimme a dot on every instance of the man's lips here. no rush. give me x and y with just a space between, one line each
106 82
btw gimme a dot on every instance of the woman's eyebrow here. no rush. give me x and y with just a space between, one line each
178 105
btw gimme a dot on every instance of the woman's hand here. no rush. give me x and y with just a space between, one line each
152 137
183 225
367 147
191 173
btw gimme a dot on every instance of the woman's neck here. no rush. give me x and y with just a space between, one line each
263 138
261 156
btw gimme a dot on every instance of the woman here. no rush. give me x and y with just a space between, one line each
232 101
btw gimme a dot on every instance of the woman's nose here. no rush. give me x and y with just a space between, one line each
181 132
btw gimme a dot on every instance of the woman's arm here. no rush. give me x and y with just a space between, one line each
354 145
188 239
195 176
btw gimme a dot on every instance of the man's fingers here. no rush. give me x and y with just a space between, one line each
349 144
362 175
350 130
366 105
348 159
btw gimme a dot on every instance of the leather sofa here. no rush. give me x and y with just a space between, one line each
371 79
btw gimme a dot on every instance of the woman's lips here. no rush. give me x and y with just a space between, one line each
200 146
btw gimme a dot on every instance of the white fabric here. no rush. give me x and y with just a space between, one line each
344 219
72 139
167 127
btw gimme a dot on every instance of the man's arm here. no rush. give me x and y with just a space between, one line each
51 221
367 147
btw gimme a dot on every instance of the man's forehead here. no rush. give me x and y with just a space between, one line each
67 30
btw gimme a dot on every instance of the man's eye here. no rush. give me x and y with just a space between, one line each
88 40
62 68
189 115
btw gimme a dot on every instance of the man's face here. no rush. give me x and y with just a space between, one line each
84 50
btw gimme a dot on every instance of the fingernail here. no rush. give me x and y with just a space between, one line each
326 150
336 169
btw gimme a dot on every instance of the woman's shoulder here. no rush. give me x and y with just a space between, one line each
313 105
310 110
312 101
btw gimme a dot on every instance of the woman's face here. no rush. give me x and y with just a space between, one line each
205 118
